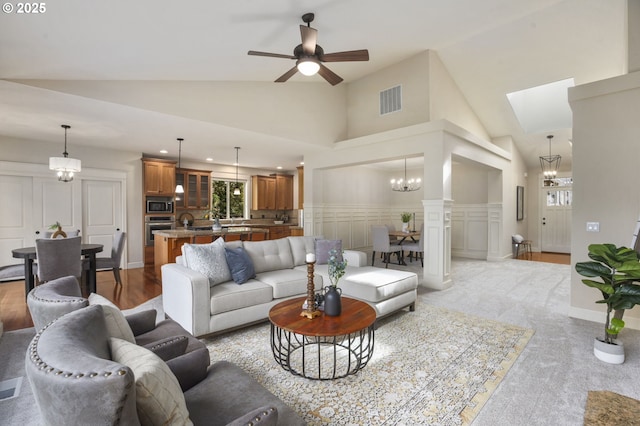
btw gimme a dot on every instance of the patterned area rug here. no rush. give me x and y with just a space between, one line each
605 408
432 366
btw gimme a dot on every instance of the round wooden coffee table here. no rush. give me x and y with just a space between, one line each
325 347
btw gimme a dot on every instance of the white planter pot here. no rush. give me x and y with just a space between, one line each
405 227
610 353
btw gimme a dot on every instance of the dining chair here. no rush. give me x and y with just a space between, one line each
113 262
380 236
58 257
416 247
392 228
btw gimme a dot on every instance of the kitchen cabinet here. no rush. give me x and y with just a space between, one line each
197 189
284 192
272 192
296 231
300 187
263 190
167 249
159 177
276 232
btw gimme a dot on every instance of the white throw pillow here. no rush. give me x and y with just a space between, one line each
209 260
518 238
159 399
117 324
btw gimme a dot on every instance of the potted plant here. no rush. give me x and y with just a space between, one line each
57 230
214 214
619 271
406 218
336 269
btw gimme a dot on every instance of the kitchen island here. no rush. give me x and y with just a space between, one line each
168 243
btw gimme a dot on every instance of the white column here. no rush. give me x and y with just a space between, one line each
437 245
494 237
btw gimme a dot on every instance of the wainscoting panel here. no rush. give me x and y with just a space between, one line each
470 231
352 224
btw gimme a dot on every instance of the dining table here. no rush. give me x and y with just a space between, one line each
403 235
88 250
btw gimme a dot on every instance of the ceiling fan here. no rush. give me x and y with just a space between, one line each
309 55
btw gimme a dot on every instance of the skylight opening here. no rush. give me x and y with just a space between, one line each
543 108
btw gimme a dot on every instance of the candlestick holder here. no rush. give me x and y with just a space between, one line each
311 310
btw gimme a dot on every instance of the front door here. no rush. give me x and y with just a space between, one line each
556 202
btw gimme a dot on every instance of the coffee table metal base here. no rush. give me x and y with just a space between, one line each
322 357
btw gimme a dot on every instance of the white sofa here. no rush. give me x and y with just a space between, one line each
281 273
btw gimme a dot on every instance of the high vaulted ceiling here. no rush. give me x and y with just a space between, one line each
490 48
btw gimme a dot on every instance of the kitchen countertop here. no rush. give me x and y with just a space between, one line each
182 233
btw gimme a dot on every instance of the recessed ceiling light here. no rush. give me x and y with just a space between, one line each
164 151
209 159
279 167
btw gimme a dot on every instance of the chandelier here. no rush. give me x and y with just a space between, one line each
404 185
550 165
65 166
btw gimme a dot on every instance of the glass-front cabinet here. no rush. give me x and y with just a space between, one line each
197 189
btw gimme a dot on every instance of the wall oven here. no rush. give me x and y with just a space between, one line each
157 223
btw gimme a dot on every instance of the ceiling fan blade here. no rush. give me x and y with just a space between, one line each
351 55
329 75
271 55
287 75
309 38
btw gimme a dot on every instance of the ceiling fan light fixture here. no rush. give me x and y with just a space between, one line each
308 66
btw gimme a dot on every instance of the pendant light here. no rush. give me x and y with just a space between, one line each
237 190
65 166
550 165
404 185
179 188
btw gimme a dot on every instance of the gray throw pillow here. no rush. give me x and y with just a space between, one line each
323 247
240 264
209 260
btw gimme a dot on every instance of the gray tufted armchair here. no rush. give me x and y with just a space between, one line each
75 381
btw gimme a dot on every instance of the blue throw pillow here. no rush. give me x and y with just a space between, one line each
240 264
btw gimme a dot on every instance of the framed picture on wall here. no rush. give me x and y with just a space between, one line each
519 202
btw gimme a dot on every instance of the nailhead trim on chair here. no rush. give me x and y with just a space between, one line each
35 358
258 419
40 299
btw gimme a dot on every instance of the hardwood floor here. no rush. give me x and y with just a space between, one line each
139 285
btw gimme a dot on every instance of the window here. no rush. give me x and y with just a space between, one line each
222 195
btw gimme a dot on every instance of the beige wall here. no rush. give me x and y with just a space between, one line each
317 111
363 97
606 131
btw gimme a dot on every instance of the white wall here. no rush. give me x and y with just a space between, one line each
606 131
26 151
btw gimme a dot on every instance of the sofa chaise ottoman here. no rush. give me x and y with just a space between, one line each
205 300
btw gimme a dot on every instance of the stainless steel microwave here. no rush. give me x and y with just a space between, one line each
159 206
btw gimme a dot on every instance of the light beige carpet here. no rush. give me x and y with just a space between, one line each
432 366
605 408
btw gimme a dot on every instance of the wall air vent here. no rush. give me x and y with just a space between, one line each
391 100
